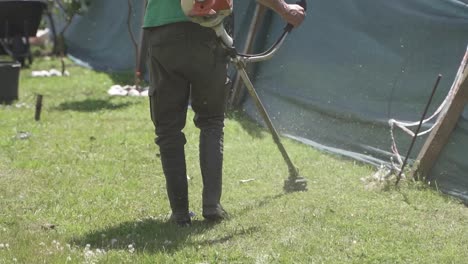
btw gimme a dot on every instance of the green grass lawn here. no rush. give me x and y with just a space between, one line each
86 186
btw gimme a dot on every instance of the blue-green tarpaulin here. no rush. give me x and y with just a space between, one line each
339 78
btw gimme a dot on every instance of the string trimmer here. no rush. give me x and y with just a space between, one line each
211 13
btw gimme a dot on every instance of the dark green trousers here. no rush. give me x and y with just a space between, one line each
187 66
186 62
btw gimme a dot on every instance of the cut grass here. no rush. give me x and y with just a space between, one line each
87 186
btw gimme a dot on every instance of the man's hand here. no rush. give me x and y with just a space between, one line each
291 13
294 14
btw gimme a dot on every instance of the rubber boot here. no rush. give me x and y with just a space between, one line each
174 167
211 164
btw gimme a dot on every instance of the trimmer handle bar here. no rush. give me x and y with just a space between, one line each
273 49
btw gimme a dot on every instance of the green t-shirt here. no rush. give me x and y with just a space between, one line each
161 12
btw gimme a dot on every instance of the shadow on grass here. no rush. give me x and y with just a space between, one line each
248 124
153 235
125 78
122 78
92 105
260 203
158 235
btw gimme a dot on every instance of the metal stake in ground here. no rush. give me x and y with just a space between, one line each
37 114
418 128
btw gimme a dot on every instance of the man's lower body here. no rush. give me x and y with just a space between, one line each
187 63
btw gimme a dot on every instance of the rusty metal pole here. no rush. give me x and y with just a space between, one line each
37 114
434 89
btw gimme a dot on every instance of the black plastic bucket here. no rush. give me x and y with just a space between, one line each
9 78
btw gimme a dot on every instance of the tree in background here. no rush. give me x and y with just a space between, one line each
68 9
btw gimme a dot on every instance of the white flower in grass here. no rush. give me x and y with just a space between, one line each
4 246
15 260
69 258
131 249
42 244
88 254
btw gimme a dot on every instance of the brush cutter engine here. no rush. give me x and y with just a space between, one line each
208 13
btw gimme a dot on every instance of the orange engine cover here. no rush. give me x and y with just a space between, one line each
210 7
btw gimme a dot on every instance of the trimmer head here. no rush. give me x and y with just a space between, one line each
295 184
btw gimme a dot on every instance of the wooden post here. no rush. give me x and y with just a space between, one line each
440 135
37 114
237 85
